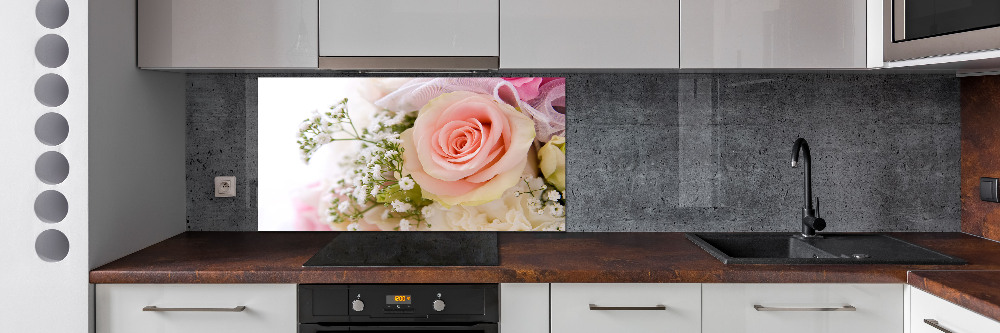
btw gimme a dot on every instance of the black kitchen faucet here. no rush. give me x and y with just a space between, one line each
810 222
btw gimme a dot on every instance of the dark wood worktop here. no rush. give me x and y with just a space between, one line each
978 291
277 257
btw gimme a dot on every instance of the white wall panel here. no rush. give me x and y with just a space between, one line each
39 295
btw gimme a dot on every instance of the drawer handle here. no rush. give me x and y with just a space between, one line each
759 307
935 324
629 308
234 309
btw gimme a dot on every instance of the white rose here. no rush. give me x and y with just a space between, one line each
512 212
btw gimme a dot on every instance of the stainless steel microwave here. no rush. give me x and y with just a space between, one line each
928 28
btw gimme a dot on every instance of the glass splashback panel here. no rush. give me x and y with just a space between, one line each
411 154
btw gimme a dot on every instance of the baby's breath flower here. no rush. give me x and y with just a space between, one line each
553 195
427 211
352 227
534 203
360 194
323 139
404 225
343 206
400 206
406 183
555 209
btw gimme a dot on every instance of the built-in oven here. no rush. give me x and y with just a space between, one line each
927 28
390 308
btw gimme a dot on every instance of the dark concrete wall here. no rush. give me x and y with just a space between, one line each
683 152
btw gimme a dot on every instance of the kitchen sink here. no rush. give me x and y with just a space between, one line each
789 248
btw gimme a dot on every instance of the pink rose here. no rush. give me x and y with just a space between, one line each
305 202
527 87
467 149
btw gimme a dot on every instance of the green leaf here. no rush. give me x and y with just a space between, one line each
393 193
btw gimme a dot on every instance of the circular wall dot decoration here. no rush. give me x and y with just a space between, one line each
52 168
52 13
51 128
51 51
51 206
52 245
51 90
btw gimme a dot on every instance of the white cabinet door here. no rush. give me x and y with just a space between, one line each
951 317
409 28
626 307
793 308
524 308
774 34
227 34
589 34
269 308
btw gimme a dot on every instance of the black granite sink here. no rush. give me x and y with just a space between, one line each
787 249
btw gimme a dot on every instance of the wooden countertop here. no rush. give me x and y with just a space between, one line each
978 291
277 257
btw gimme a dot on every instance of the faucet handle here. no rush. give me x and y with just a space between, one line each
817 206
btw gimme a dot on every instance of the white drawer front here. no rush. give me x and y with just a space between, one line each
948 315
729 308
571 311
269 308
524 308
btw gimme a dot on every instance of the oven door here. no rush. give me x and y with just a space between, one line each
926 28
472 328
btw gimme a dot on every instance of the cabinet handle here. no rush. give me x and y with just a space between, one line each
759 307
935 324
630 308
233 309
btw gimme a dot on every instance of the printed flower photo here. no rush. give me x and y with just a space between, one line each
412 154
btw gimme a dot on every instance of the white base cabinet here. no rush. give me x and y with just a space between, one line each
949 317
524 308
802 308
268 308
626 307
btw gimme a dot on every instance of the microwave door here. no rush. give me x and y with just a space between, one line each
914 29
916 19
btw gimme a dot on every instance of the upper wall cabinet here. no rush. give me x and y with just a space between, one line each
776 33
589 34
221 34
409 34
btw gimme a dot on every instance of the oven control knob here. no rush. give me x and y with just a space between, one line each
438 305
358 305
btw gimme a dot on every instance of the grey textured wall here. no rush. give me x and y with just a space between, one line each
683 152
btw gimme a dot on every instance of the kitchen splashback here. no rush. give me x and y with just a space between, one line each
681 152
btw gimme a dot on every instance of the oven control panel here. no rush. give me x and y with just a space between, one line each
399 303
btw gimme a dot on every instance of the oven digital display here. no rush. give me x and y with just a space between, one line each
397 299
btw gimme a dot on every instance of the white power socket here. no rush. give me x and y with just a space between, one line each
225 186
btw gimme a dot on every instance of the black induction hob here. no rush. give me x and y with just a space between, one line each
409 248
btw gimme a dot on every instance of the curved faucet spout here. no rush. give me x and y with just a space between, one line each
803 146
810 222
